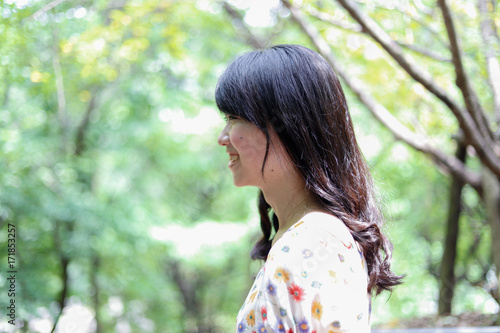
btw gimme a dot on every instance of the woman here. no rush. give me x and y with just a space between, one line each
289 133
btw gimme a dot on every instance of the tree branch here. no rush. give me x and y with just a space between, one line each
400 132
64 260
61 99
82 128
424 51
448 259
423 8
470 98
46 8
322 16
433 32
493 5
188 287
371 28
399 8
358 29
251 39
473 135
6 96
493 67
96 263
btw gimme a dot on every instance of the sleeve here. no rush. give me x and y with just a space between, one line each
315 282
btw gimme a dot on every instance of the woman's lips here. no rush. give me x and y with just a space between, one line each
233 158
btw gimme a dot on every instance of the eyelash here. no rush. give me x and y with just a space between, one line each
229 117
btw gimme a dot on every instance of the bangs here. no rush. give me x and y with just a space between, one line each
229 99
235 93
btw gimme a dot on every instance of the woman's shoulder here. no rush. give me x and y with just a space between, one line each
310 272
316 234
320 226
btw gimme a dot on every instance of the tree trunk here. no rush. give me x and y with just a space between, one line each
64 260
447 273
491 185
187 283
94 270
64 291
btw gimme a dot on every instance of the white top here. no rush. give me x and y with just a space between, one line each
314 280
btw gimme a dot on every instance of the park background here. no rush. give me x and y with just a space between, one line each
125 214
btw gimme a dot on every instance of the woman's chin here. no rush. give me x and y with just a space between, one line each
239 182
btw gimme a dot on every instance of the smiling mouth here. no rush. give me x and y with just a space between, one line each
233 159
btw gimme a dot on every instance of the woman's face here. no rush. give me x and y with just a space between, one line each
246 146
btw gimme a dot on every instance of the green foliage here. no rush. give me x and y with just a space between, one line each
108 134
101 140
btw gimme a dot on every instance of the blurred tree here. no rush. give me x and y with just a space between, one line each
105 112
447 269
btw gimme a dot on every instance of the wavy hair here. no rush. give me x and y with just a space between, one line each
293 91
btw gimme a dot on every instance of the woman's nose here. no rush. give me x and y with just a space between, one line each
223 138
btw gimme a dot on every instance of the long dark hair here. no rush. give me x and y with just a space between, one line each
293 91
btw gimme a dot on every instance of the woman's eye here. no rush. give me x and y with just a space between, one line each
229 117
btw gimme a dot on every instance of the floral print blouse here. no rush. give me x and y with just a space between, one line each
314 280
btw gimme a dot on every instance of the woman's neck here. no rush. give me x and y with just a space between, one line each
290 202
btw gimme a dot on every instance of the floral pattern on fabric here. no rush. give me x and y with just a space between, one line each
314 280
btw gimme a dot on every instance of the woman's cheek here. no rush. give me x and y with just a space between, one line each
251 144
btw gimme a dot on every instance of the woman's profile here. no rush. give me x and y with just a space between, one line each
289 133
